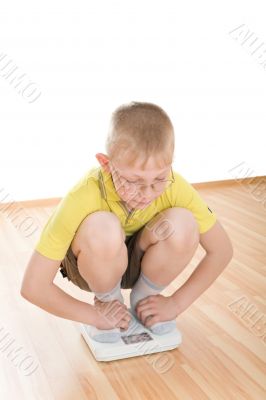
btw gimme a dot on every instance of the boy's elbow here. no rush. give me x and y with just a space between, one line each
225 254
228 252
26 294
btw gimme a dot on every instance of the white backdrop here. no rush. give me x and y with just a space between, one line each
203 62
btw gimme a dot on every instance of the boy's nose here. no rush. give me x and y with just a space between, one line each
147 192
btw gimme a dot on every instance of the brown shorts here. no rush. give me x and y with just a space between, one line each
69 269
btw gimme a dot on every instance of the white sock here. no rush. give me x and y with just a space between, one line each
107 335
144 288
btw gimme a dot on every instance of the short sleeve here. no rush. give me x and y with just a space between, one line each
182 194
64 221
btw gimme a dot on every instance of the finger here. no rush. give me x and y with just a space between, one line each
114 315
123 325
126 319
114 306
122 304
111 303
145 314
143 308
119 303
151 320
124 322
149 299
119 311
144 301
126 316
123 329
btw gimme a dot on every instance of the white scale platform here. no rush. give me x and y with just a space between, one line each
136 341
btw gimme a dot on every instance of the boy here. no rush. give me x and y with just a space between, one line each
131 223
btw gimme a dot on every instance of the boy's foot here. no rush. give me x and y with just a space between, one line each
104 335
143 288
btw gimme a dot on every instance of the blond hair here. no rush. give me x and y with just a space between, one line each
139 130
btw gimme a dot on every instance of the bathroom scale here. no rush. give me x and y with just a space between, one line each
135 341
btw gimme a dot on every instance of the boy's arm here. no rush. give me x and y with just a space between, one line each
38 288
219 252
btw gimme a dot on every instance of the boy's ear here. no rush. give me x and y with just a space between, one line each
103 160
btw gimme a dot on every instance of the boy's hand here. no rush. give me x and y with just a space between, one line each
112 314
156 308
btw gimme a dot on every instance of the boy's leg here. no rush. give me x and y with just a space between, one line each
168 246
100 250
102 259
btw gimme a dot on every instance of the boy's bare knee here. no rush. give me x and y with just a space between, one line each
101 232
186 232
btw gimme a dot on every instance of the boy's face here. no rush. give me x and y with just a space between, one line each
132 183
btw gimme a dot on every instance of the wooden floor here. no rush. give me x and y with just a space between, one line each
223 352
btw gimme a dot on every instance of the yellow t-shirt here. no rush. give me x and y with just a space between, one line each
95 191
